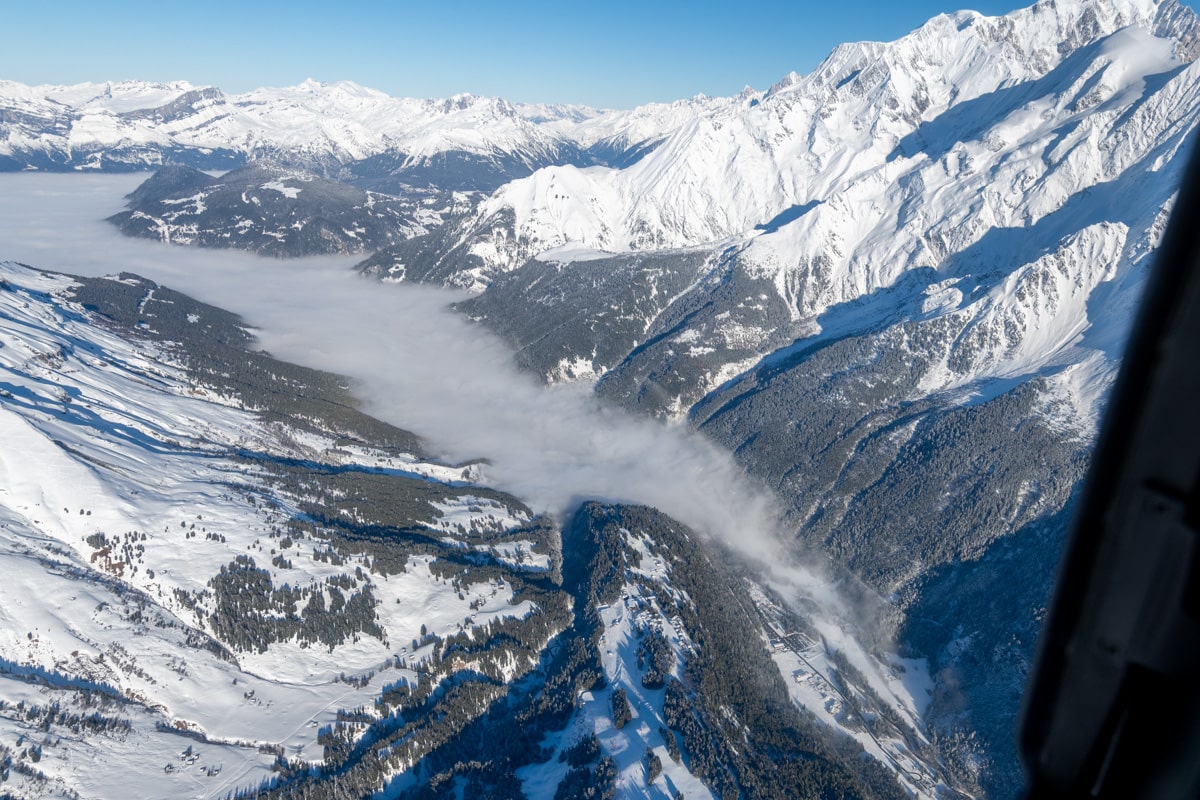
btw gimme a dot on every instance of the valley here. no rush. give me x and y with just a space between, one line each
335 588
791 391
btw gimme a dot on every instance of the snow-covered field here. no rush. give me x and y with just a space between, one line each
119 498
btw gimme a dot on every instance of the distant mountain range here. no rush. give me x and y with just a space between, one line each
896 288
338 130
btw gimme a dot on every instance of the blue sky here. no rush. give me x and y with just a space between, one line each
618 53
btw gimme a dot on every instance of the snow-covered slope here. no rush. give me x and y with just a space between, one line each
897 288
458 142
960 96
223 580
343 120
144 523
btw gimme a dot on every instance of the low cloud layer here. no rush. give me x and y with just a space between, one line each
417 365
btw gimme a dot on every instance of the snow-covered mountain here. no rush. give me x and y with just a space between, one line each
360 134
861 135
896 288
221 579
170 584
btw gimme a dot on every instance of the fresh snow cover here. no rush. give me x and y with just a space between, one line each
519 554
569 254
340 120
899 180
627 746
116 763
569 370
644 125
105 437
119 97
291 192
848 135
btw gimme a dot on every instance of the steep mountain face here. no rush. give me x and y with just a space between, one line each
223 579
264 208
854 127
895 288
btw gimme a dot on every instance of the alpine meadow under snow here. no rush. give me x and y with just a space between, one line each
435 448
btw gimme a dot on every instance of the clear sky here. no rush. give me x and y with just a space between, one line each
618 53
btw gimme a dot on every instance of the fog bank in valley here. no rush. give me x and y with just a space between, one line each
415 363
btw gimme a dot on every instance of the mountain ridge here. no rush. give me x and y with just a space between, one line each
896 289
911 335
